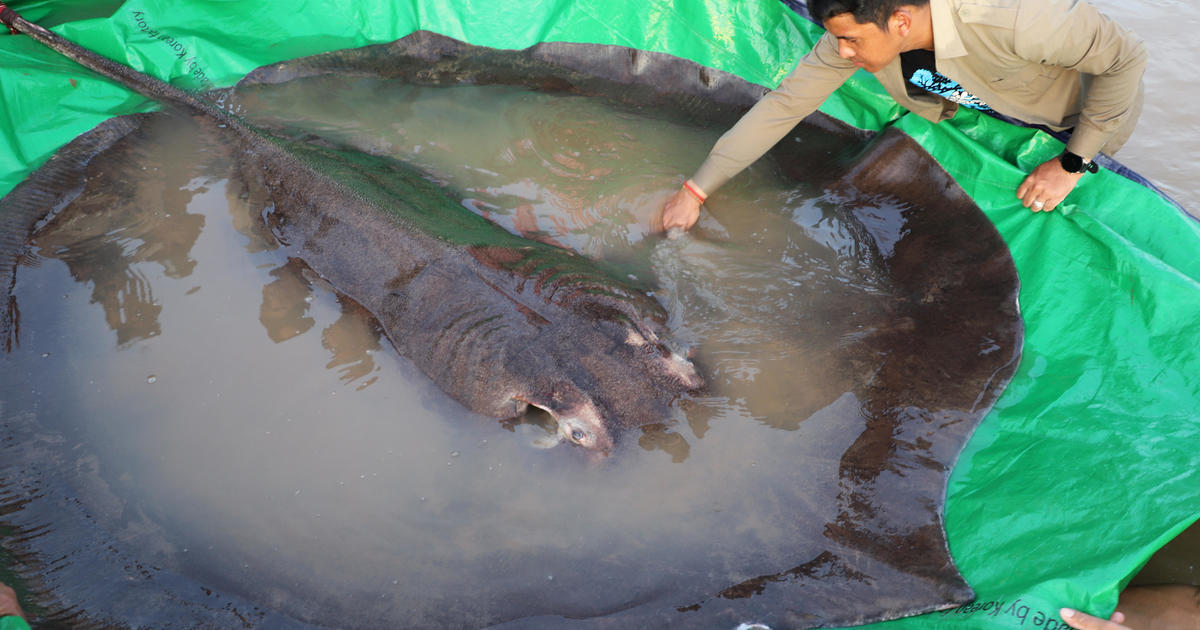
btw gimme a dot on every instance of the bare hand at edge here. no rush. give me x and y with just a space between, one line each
8 602
1084 621
1048 185
681 210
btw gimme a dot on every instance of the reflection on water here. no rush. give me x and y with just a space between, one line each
351 340
247 451
107 237
285 301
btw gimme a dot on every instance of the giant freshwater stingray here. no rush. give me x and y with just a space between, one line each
869 542
498 322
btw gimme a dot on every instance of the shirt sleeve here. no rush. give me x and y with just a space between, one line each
817 75
1074 34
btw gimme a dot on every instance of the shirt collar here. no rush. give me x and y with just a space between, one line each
946 42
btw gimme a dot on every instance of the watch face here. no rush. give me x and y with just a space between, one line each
1071 163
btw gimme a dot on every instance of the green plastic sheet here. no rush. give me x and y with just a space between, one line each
13 623
1089 462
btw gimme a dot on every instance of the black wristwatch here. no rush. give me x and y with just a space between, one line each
1072 163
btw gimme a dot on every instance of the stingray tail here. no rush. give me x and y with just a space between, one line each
139 82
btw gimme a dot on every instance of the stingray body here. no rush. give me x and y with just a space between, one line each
868 514
498 322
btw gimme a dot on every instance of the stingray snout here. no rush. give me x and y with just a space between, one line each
579 420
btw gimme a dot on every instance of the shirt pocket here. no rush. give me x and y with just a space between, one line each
1027 79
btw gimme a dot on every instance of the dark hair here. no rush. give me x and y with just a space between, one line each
864 11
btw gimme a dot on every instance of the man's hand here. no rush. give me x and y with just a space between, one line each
1084 621
1047 186
8 603
680 211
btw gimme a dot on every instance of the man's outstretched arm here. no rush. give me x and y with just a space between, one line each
817 75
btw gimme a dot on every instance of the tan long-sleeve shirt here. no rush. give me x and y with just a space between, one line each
1058 63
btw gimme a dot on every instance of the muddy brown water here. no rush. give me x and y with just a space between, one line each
209 432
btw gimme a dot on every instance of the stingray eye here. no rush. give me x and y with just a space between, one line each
577 435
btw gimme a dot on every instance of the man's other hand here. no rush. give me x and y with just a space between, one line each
1047 186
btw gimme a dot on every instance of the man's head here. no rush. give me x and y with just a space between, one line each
877 12
871 33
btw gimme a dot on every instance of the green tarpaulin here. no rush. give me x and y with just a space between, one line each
1091 459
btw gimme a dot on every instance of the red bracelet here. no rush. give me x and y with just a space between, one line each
691 188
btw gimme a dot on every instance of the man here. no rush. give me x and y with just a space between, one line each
1057 63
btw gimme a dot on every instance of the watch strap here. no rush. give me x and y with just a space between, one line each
1073 163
